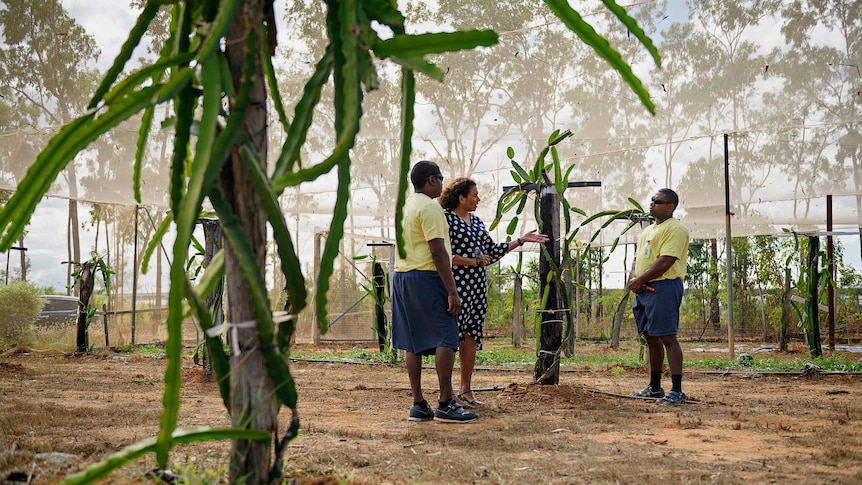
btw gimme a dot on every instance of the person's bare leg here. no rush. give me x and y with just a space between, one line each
414 373
674 354
444 362
468 363
656 352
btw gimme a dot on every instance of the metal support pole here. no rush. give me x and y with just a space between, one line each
135 275
830 290
728 248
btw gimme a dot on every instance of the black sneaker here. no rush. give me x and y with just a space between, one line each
454 413
673 398
649 392
421 412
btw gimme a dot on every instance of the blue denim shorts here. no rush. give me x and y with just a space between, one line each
657 313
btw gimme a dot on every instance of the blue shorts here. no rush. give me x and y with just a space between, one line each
657 313
420 320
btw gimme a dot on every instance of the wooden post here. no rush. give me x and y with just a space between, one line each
135 276
731 345
215 300
551 330
517 329
567 286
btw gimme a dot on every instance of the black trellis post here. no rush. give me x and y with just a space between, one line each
551 329
380 291
379 315
547 370
811 304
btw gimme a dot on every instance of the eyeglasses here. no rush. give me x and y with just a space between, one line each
438 177
659 201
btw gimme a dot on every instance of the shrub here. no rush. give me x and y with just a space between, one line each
20 304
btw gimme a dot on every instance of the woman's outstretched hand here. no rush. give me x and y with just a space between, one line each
532 236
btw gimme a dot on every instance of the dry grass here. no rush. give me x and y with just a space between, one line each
354 430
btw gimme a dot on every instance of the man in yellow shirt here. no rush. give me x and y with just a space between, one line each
657 279
425 301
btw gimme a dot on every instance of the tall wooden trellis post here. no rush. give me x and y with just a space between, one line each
547 369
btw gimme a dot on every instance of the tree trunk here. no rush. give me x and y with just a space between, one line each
212 244
74 236
253 400
714 312
618 319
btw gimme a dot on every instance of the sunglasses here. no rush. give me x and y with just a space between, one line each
659 201
438 177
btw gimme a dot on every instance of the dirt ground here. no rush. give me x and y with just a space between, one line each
61 413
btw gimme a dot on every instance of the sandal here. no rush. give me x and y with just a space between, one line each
470 402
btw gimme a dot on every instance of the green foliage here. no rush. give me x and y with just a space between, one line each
199 72
774 364
20 304
148 349
190 435
85 273
371 289
537 181
500 298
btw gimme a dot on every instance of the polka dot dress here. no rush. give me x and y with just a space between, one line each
471 240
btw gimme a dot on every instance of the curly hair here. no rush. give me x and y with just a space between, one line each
460 187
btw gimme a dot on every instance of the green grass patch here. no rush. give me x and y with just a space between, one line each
143 349
500 353
834 363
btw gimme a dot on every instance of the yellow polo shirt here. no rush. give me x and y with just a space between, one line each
670 238
423 221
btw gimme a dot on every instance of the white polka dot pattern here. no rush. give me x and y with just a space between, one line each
471 240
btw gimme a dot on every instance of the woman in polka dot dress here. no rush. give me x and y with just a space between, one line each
472 250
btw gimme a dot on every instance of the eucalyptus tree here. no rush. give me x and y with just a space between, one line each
799 148
610 138
216 69
834 87
46 66
736 66
481 102
699 179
